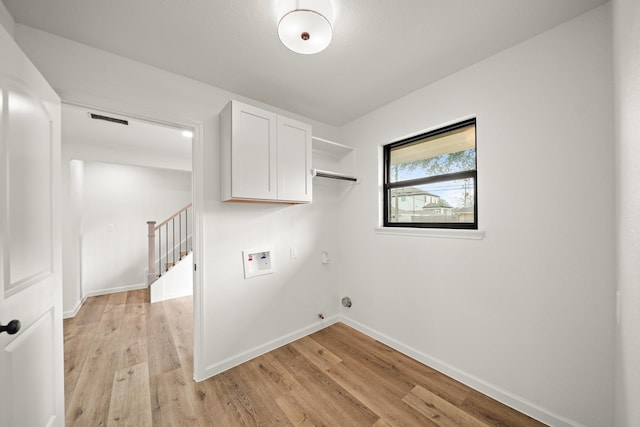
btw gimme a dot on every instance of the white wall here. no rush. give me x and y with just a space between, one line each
241 316
6 20
72 178
178 282
124 197
136 157
524 314
626 19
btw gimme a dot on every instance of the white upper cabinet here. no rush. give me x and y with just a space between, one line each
264 157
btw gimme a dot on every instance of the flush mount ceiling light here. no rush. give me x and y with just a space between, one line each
305 25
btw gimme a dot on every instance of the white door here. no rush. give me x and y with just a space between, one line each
31 360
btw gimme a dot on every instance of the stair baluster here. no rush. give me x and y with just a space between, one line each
159 252
151 266
155 264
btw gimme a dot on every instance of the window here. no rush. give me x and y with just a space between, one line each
430 180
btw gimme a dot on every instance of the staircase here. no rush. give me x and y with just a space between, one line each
170 244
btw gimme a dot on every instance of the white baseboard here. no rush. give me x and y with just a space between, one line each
512 400
172 295
108 291
72 313
236 360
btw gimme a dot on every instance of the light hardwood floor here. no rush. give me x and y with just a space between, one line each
129 363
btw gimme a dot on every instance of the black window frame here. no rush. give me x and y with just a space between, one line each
388 186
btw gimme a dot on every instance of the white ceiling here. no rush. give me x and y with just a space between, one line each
381 50
136 138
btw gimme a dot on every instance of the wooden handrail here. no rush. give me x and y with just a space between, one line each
173 216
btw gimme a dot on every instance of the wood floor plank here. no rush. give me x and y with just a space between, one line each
89 401
379 394
92 309
263 380
214 406
206 405
179 315
130 400
163 355
322 390
439 410
223 400
250 392
117 301
403 369
382 423
171 404
276 379
496 413
300 412
240 403
316 353
78 342
364 354
111 322
137 302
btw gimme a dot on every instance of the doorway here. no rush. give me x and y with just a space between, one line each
123 146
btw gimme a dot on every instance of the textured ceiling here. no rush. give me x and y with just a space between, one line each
381 50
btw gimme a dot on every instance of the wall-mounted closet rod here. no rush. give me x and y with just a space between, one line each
334 175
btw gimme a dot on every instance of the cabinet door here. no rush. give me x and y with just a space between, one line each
253 153
294 160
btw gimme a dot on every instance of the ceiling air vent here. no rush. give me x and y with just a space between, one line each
108 119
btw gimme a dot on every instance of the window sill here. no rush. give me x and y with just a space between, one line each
432 232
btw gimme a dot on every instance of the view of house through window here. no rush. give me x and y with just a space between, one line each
430 180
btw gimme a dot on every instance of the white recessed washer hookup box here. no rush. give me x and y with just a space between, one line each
257 263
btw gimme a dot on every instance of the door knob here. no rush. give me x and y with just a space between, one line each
11 328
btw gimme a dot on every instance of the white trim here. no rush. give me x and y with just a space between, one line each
197 239
197 200
432 232
510 399
72 313
108 291
238 359
434 127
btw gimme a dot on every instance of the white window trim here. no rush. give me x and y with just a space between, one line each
445 233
